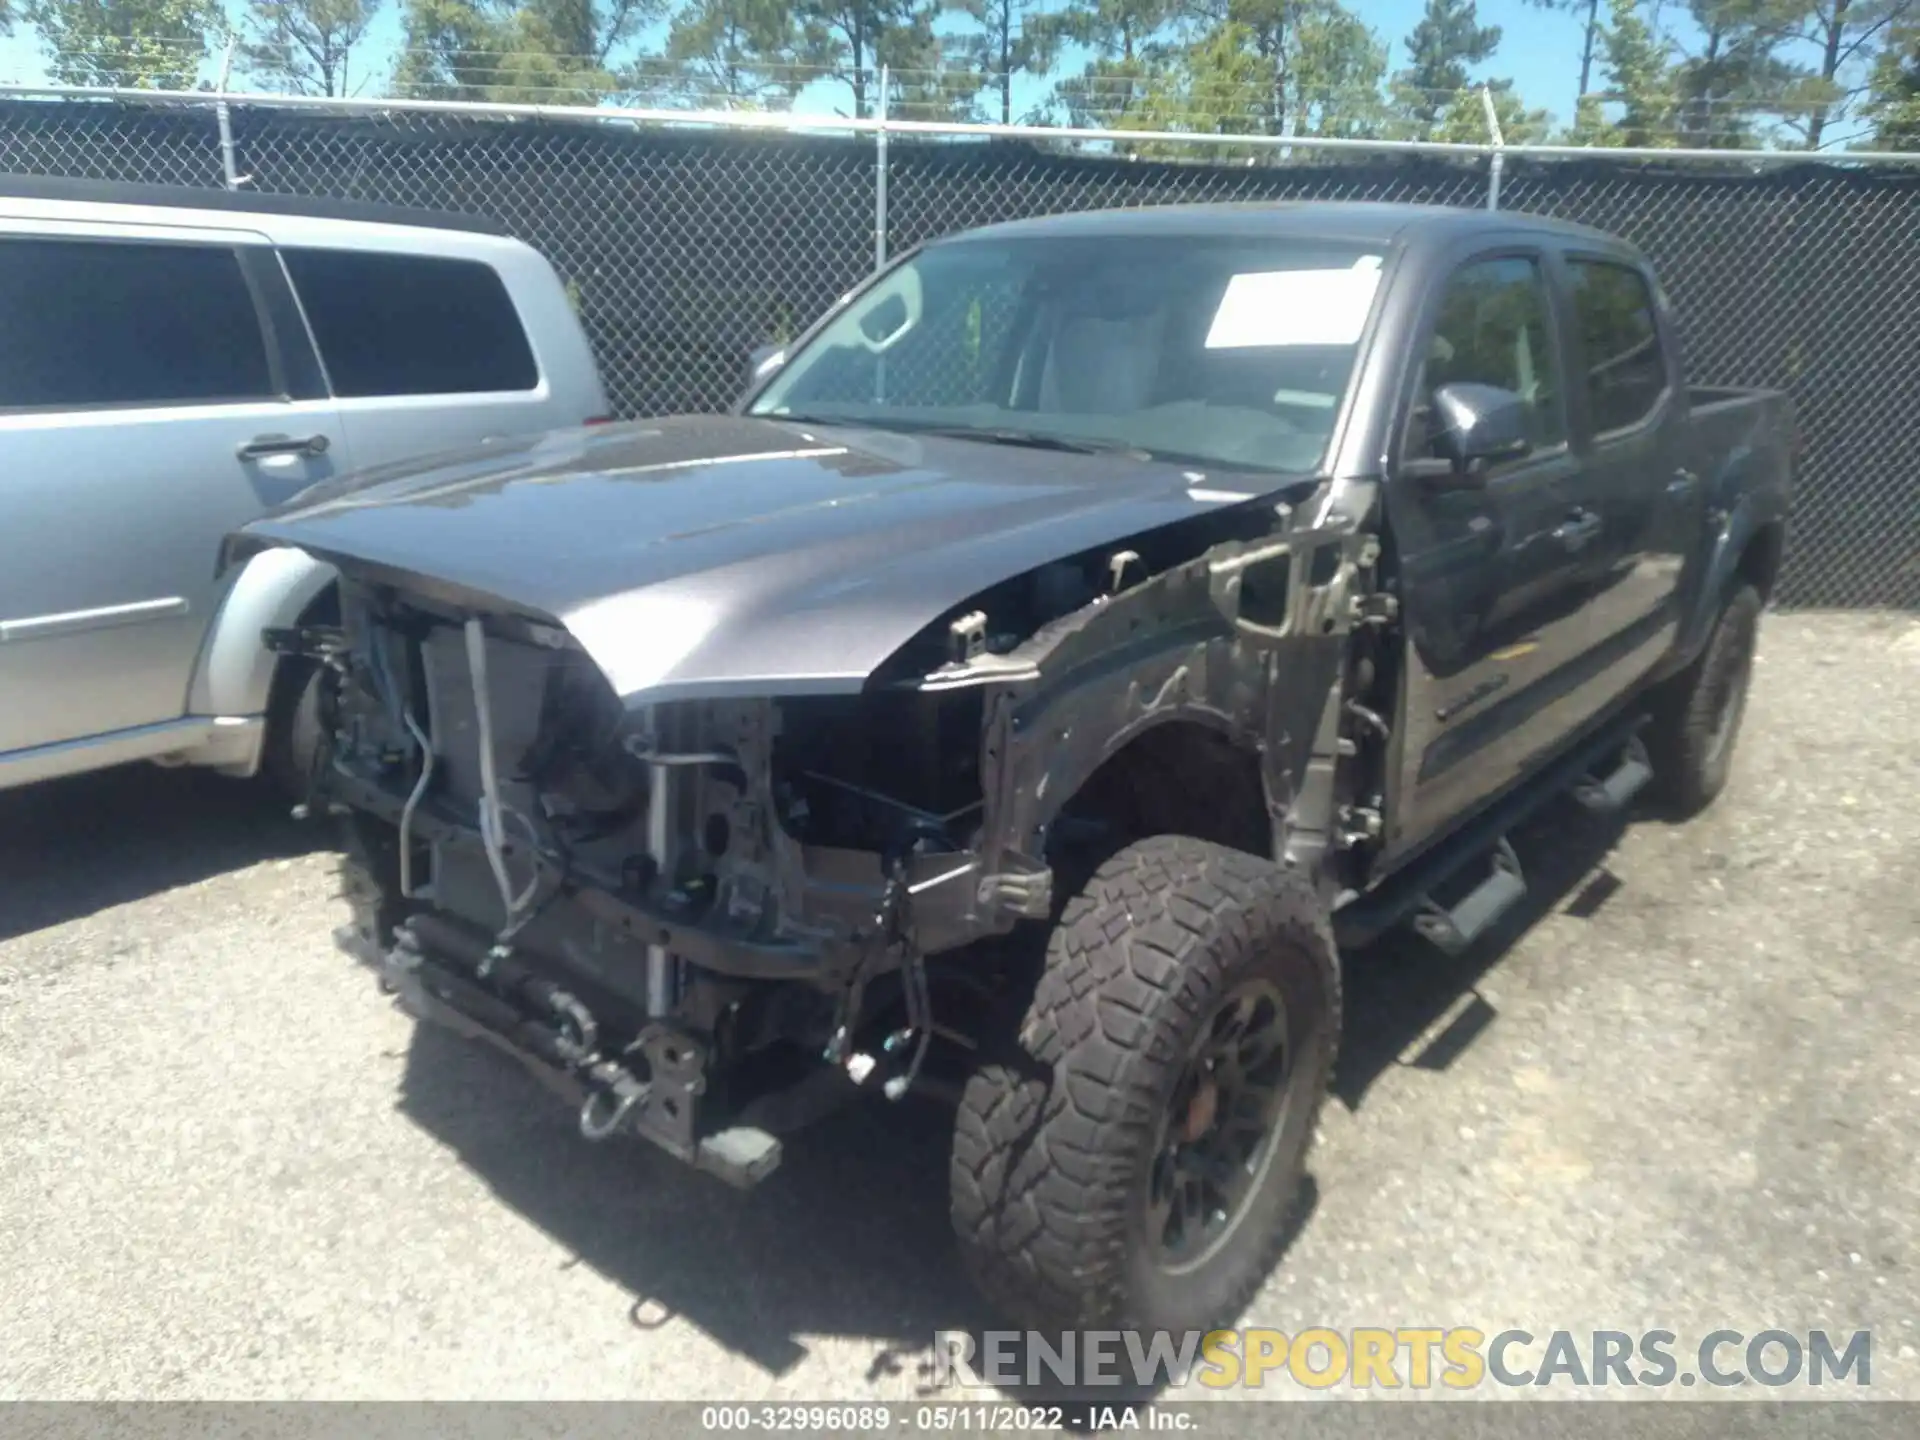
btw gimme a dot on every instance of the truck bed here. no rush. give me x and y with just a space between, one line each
1737 430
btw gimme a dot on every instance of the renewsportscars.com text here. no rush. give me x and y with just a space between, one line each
1403 1357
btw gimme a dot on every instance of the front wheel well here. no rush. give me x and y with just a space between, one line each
1178 778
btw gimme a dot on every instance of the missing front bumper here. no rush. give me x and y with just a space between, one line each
651 1088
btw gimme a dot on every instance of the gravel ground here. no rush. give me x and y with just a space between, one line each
1686 1096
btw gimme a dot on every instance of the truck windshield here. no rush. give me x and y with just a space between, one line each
1230 351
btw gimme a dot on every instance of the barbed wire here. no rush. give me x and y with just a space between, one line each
952 91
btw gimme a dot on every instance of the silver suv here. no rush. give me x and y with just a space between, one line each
176 362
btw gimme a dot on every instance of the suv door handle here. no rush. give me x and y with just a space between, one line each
263 445
1579 531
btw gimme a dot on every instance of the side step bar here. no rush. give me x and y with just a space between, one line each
1453 930
1612 792
1603 776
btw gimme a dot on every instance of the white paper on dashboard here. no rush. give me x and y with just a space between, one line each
1295 307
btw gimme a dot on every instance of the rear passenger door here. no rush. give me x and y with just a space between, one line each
423 352
156 391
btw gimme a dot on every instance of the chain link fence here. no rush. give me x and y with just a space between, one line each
685 244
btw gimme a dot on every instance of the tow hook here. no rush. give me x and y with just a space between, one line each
607 1106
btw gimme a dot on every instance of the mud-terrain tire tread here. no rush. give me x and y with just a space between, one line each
1042 1178
1687 776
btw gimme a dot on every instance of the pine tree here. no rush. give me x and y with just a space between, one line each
131 44
728 54
1013 38
857 37
306 46
1735 75
1129 47
1587 12
1464 121
1894 100
1639 79
1443 47
556 52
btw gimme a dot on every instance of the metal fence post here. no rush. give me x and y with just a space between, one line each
1499 162
229 164
880 179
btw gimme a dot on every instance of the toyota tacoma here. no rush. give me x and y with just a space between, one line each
1062 651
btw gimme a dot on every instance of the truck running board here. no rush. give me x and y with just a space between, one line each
1613 791
1604 773
1453 929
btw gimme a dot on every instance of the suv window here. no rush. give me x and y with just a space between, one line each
89 322
1626 371
411 324
1493 330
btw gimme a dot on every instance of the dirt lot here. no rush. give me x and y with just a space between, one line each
1688 1095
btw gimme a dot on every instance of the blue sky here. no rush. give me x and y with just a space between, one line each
1539 51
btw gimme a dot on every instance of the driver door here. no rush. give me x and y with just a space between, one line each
1489 589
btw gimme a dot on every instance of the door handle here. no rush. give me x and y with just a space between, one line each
1683 481
1579 531
262 446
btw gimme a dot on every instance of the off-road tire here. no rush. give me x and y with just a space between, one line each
1691 737
1054 1143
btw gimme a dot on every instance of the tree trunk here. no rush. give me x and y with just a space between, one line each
1006 62
1829 67
857 34
1586 49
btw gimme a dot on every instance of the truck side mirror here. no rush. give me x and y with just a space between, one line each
763 360
1477 427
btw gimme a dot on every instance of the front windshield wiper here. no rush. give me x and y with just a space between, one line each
986 435
1034 440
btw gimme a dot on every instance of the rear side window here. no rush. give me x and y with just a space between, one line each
411 324
88 323
1626 371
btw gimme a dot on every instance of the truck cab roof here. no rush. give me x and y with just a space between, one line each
1362 222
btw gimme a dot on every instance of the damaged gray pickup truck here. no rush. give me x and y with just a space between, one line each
1084 630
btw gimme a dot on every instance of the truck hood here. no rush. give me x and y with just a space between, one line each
711 556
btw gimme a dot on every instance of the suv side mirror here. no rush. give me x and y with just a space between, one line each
763 360
1479 426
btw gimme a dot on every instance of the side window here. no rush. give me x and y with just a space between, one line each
1626 370
1493 330
93 322
411 324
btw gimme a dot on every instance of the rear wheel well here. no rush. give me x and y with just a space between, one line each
1759 564
1179 778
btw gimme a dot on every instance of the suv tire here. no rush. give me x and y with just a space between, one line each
1187 988
294 728
1697 719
